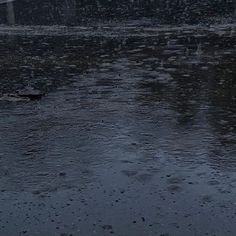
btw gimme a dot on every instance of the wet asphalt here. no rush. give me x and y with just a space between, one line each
135 135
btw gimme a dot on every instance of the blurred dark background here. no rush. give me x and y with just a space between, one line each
72 12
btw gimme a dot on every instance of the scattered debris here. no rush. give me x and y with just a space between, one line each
30 93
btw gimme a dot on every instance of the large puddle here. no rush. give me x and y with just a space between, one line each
136 134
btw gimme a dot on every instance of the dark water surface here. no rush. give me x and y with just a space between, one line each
135 136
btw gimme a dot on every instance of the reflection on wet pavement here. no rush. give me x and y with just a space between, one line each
135 136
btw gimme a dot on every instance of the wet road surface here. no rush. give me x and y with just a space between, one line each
135 136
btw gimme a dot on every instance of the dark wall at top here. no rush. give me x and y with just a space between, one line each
72 12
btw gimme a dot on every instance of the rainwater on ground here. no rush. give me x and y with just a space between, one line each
135 135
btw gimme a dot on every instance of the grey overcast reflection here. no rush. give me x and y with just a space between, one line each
118 117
